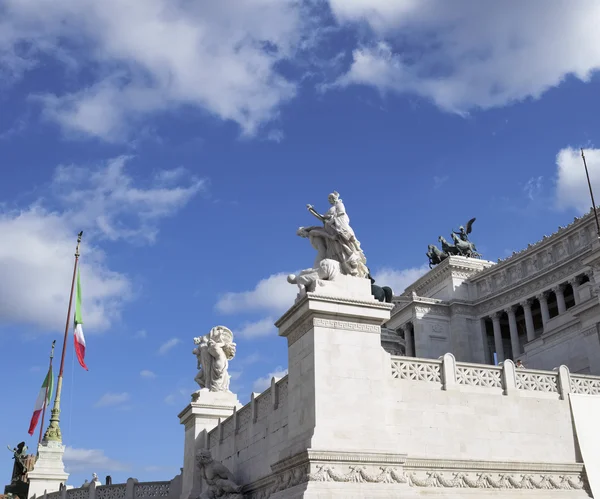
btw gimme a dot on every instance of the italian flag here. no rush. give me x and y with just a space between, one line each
78 336
43 399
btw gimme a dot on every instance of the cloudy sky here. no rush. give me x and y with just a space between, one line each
186 138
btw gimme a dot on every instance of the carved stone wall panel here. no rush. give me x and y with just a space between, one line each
347 326
299 331
585 385
417 370
423 478
245 415
111 491
537 382
151 489
263 404
283 392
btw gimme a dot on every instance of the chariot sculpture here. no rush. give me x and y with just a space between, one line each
460 246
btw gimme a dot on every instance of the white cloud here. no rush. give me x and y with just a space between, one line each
153 55
147 374
90 460
533 187
38 242
273 293
113 399
107 195
261 384
467 54
235 375
262 327
398 280
141 334
571 184
168 345
36 264
276 136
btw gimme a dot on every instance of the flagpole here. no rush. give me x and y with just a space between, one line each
591 194
46 396
53 432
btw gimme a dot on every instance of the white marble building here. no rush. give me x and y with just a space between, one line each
539 305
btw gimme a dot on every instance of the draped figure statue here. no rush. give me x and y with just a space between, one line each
214 351
336 240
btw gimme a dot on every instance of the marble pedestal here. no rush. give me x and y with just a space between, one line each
49 470
199 417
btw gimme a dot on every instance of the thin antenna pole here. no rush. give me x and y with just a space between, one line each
46 397
53 432
591 193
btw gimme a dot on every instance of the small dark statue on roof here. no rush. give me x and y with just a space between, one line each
461 246
383 294
18 482
19 455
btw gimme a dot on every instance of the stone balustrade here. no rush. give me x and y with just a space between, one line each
447 374
130 490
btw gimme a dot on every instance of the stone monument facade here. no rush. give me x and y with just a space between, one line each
352 421
539 305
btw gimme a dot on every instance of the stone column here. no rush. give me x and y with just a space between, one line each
203 413
543 299
408 339
574 282
498 337
560 299
528 319
484 341
514 332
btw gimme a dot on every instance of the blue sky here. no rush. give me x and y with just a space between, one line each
186 138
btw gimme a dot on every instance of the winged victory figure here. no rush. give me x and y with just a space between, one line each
463 234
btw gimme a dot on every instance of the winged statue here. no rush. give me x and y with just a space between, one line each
460 245
463 234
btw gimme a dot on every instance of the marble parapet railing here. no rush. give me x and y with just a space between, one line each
447 374
259 407
130 490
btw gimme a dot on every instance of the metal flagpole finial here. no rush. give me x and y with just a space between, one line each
79 236
52 351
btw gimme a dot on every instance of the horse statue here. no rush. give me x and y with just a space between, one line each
449 249
383 294
465 248
435 255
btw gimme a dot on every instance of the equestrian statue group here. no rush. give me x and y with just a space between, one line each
461 246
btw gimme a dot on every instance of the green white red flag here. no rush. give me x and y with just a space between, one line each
43 400
78 335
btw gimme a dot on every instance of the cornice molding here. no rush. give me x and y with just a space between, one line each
527 288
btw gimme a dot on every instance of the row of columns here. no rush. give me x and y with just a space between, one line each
529 327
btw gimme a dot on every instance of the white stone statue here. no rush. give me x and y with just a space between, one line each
336 240
219 480
308 279
214 351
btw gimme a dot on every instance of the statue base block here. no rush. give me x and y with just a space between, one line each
199 417
49 470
